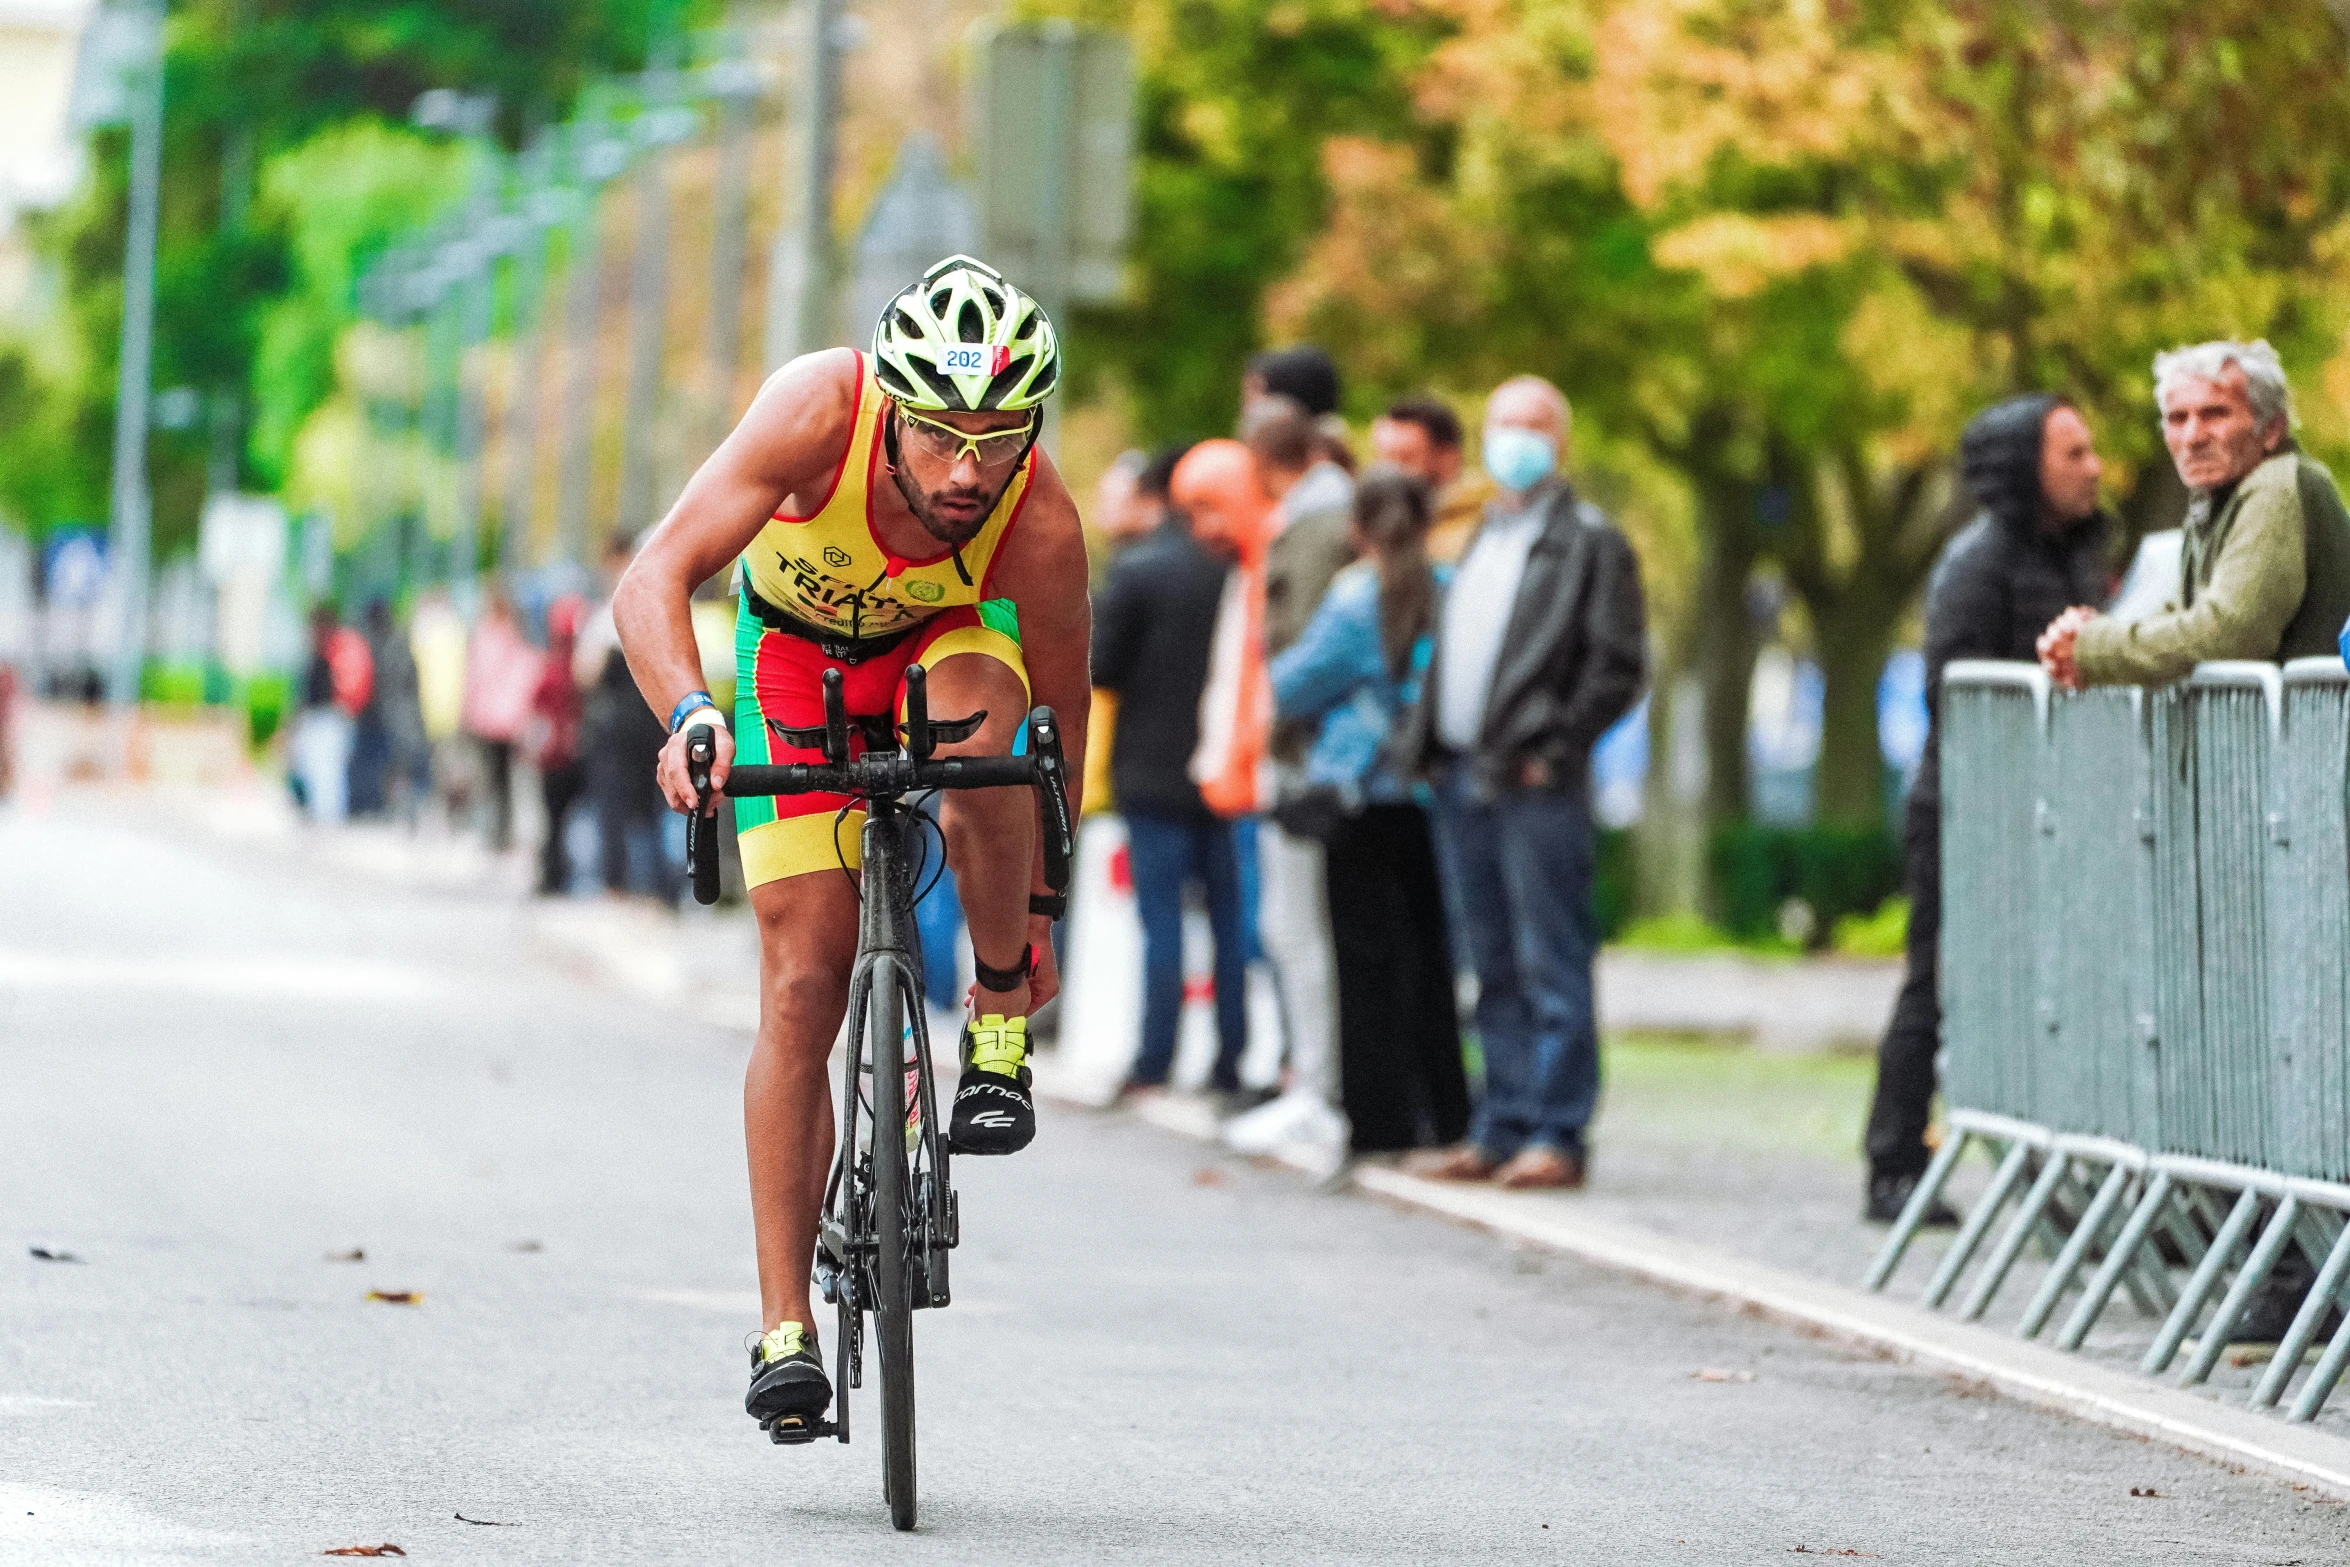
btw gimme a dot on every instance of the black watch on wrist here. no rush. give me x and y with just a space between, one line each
1052 905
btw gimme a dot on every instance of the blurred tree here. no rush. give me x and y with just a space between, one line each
263 95
1237 98
1793 246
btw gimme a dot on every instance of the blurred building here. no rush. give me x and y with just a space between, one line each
40 156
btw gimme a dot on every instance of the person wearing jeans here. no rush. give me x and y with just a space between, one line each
1520 865
1153 622
1542 646
1166 853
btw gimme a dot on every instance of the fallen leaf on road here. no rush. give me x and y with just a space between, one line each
385 1549
487 1523
1207 1176
526 1246
355 1254
1824 1550
397 1297
2146 1491
1717 1374
44 1254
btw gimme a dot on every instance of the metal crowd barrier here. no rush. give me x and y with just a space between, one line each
2146 1002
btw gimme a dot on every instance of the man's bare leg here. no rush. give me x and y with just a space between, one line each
807 946
990 833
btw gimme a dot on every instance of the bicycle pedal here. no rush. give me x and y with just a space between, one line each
792 1430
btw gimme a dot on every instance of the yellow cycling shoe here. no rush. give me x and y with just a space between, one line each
994 1111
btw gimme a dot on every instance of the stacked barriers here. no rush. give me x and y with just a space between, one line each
2146 1002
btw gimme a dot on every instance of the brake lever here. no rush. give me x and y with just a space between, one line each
701 831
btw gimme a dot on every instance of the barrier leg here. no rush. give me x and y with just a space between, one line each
1970 1234
2265 1253
2076 1251
2321 1382
2321 1295
2023 1227
2182 1316
2109 1273
1913 1213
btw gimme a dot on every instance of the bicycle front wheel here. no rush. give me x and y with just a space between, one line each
893 1313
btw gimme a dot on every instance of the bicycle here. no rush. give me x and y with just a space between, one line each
890 1216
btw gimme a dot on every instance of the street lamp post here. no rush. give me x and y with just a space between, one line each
120 77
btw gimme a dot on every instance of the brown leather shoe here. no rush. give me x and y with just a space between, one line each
1541 1169
1468 1162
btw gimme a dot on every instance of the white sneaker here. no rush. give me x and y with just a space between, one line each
1298 1125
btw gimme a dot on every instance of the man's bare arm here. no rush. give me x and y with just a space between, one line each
1042 569
786 446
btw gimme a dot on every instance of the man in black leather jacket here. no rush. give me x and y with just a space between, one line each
1542 645
2039 545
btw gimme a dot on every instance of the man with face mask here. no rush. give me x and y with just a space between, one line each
2039 542
1542 645
887 509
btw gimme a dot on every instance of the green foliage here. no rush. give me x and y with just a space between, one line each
1837 871
299 97
1611 881
337 199
1237 98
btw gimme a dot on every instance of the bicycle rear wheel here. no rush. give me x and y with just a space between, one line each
893 1313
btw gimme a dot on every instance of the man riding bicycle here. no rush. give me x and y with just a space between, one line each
888 509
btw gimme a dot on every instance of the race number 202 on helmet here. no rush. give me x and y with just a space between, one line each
963 340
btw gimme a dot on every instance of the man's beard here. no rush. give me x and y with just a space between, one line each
925 508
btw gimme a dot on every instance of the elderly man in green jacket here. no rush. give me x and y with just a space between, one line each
2264 570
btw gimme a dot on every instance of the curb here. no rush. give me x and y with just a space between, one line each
2028 1372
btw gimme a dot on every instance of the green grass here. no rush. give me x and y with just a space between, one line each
1883 934
1702 1093
1695 933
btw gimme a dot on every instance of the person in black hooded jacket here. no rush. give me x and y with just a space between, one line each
2039 544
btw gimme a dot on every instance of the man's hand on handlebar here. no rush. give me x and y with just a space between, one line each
677 785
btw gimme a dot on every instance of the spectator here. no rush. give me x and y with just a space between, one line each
557 712
1334 444
7 730
622 740
1153 626
1422 436
1119 509
399 705
1304 374
1312 541
1357 666
501 678
371 737
1506 720
2264 571
2037 544
336 684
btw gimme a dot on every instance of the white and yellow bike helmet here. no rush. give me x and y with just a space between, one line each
965 341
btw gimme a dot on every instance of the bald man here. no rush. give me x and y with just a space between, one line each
1542 645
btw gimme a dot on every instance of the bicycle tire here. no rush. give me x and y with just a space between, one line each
893 1313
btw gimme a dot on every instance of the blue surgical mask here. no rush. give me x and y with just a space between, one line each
1518 459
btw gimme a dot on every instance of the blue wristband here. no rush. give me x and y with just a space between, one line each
687 705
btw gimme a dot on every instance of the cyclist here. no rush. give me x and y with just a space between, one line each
887 509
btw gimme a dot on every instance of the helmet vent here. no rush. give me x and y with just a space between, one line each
1027 330
908 325
948 394
995 301
970 325
938 301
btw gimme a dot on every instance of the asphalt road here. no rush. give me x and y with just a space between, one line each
219 1068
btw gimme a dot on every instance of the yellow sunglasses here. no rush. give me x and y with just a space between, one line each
945 443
